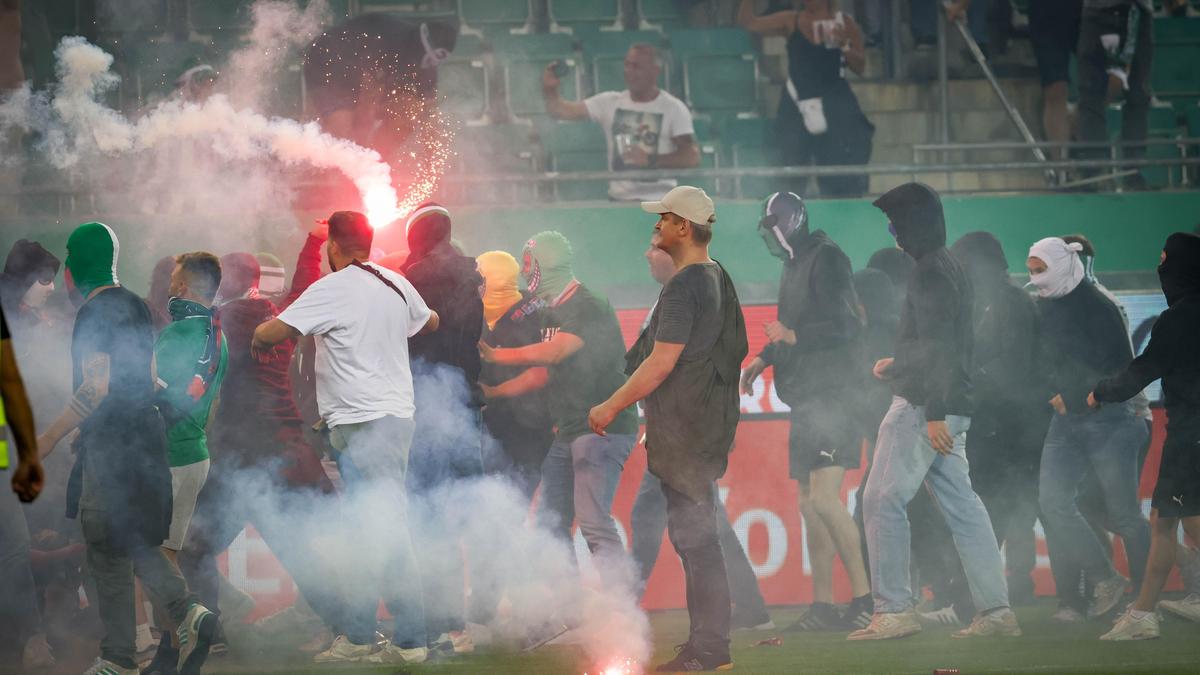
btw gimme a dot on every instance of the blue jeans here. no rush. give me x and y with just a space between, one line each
904 460
373 460
1109 441
579 481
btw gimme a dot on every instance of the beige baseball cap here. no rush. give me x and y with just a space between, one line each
685 201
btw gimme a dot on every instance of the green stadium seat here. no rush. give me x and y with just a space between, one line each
1161 121
574 15
468 45
578 136
1171 30
747 131
609 42
688 41
156 66
464 89
608 73
218 16
1193 121
66 18
580 160
523 84
710 158
493 149
660 13
496 16
1176 68
703 127
750 154
555 45
721 82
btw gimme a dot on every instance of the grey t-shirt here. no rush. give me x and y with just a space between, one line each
689 309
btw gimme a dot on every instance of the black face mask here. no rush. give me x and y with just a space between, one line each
1179 272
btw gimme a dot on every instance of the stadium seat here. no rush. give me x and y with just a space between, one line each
579 136
493 149
608 74
710 158
156 66
554 45
710 41
1170 29
596 42
579 190
575 15
654 14
523 84
721 82
745 131
218 16
754 155
496 16
468 45
464 89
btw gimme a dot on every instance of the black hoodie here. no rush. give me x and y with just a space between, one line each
933 346
1172 353
818 302
27 263
449 283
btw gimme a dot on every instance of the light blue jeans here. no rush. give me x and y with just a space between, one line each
579 481
904 460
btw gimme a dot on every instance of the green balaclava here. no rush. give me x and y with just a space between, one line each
92 252
546 264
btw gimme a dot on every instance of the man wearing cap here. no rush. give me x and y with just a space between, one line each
583 350
121 484
922 439
687 364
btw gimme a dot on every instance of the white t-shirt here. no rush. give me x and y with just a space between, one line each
362 328
652 125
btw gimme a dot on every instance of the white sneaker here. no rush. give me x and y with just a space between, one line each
1002 622
104 667
888 626
37 654
1067 615
195 637
1188 608
344 651
1106 595
392 654
945 616
1134 628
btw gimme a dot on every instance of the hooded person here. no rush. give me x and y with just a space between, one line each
922 439
584 354
272 282
257 431
1004 443
448 441
120 487
1083 339
1172 356
27 282
815 348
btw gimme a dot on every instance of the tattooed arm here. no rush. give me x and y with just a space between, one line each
87 398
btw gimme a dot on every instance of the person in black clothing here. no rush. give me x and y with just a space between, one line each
687 372
820 120
516 415
1083 339
446 447
923 437
1172 356
120 487
815 348
1004 443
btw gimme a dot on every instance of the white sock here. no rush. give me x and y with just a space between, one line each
1138 614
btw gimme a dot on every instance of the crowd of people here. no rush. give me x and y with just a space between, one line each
983 407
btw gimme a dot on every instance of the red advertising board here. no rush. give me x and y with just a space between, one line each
760 498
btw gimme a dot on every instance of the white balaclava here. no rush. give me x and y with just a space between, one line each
1064 269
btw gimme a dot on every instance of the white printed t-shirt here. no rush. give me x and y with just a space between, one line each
362 328
651 125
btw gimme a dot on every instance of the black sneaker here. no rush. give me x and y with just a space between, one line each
858 613
821 617
750 619
691 659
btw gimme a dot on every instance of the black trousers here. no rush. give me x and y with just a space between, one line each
1093 76
692 529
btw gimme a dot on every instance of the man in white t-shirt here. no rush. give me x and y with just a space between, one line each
646 127
362 316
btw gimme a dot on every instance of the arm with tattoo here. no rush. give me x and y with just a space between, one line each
87 398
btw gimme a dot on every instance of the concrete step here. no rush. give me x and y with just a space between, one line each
964 95
901 153
910 127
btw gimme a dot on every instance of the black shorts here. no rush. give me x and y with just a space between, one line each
1054 33
823 433
1177 492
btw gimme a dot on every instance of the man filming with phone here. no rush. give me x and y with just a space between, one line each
646 127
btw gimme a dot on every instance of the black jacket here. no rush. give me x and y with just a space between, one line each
519 416
818 302
1083 340
936 335
1172 353
449 284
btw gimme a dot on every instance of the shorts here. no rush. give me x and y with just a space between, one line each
1054 33
823 433
186 482
1177 491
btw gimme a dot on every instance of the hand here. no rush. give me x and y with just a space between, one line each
777 332
600 417
489 392
882 368
751 373
939 436
956 11
1092 402
636 156
320 230
1059 406
550 81
487 352
261 352
839 34
27 480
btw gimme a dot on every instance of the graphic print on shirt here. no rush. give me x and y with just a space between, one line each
635 128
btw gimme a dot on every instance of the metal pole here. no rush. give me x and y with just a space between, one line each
943 81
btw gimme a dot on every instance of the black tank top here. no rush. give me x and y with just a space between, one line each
814 70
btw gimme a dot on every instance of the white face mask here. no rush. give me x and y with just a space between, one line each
38 294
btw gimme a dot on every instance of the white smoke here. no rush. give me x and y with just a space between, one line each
278 30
